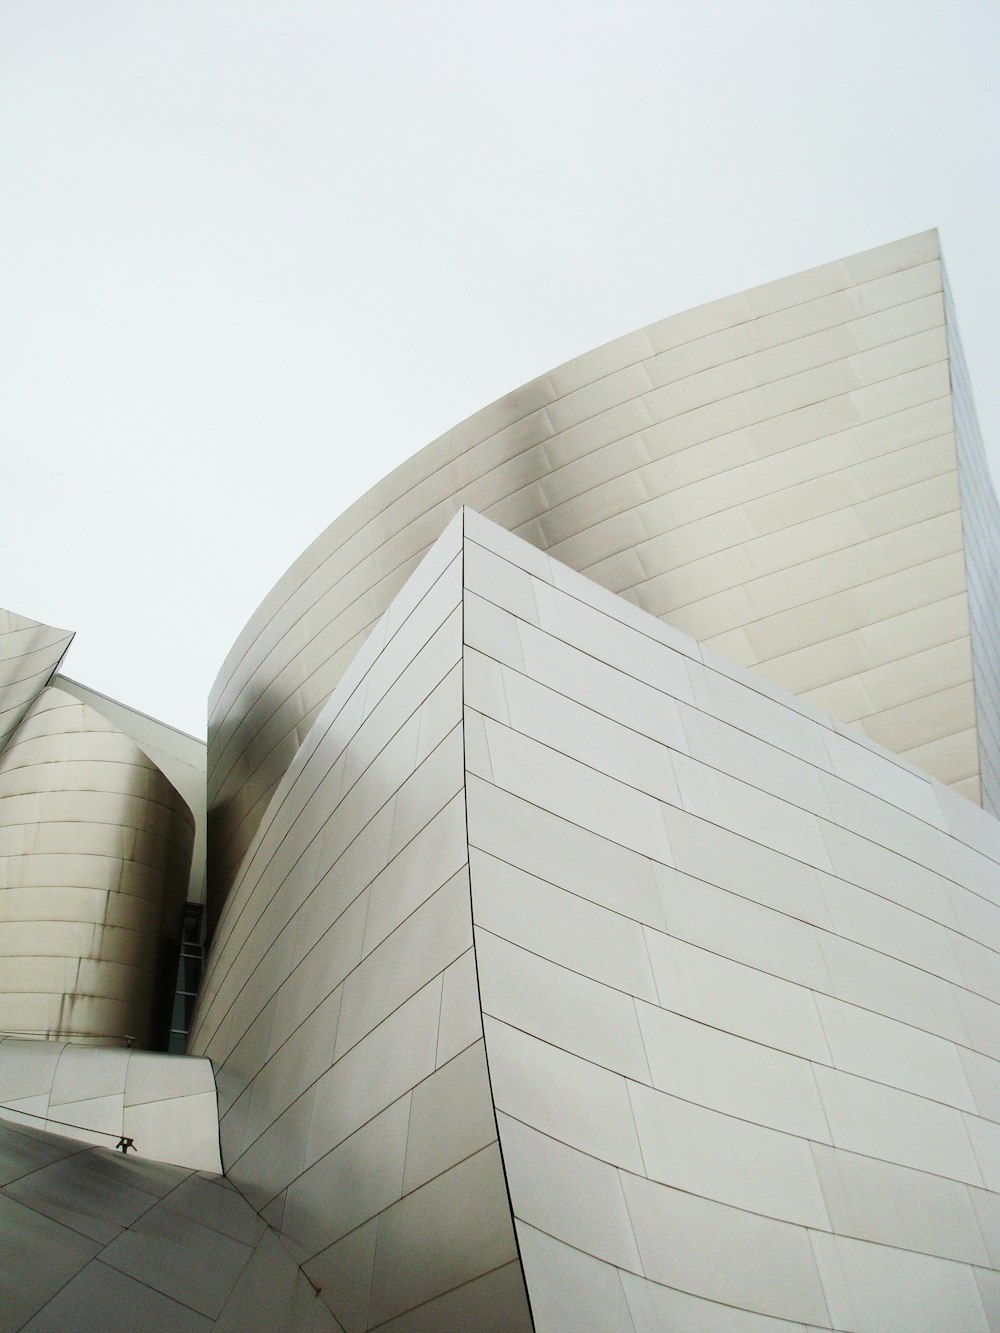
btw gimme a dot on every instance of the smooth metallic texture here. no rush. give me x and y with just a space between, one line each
178 756
717 1029
739 982
95 848
165 1104
94 1240
340 1006
29 654
774 473
981 521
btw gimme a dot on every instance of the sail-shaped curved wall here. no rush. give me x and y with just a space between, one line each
774 473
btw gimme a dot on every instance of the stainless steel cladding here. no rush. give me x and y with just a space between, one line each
95 850
774 473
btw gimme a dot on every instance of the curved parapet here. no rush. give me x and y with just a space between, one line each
164 1104
774 474
578 978
95 848
29 654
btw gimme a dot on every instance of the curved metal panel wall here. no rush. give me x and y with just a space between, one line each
981 522
95 848
29 654
739 980
165 1103
774 473
340 1006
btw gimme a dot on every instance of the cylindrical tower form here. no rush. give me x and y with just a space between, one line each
95 853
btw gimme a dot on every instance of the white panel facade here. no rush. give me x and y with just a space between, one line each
94 1240
166 1104
95 859
727 976
774 473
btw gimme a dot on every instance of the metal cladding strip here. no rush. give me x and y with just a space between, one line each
774 473
95 848
981 522
739 981
29 654
340 1006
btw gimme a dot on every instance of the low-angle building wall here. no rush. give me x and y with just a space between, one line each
605 927
774 473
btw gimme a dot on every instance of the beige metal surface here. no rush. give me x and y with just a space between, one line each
723 970
92 1240
95 848
29 654
774 473
166 1104
180 757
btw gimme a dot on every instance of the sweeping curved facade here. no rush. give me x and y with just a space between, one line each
95 858
775 474
578 978
606 935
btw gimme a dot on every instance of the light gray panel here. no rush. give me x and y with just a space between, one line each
494 1303
894 1053
272 1293
394 1057
744 809
880 1290
352 1183
460 1023
438 849
180 1259
423 945
985 1138
559 925
894 1205
214 1204
761 874
343 1273
561 1095
727 1159
869 1118
560 1006
585 734
450 1117
562 852
567 1194
654 1307
575 791
728 1074
743 1000
768 1267
451 1230
96 1206
570 1289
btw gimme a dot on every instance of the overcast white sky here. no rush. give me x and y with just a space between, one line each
253 253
